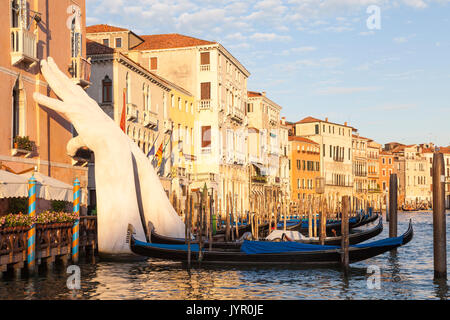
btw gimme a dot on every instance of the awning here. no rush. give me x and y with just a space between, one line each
51 189
12 185
262 169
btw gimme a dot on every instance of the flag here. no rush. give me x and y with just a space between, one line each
122 118
159 154
151 152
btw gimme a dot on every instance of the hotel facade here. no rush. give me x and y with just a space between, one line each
31 31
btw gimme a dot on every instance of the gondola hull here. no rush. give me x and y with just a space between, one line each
330 255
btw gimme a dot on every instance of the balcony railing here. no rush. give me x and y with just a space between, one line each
237 114
239 157
80 69
132 112
23 46
205 67
150 119
204 104
259 179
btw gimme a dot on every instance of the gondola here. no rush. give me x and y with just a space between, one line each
271 253
367 219
354 238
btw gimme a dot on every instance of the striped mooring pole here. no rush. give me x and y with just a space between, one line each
31 236
76 225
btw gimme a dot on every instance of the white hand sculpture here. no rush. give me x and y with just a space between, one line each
115 154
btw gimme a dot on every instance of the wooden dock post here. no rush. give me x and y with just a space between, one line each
210 227
393 205
323 222
227 218
189 219
439 223
344 232
200 228
310 232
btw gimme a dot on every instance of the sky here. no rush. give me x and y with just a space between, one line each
385 69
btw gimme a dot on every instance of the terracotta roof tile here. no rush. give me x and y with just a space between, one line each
93 47
168 41
103 28
308 120
253 94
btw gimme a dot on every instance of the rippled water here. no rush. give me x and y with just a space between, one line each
408 274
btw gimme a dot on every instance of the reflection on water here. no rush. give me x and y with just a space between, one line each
405 274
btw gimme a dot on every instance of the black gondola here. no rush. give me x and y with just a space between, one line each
271 253
354 238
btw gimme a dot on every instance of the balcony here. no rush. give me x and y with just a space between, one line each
259 179
22 146
205 67
239 158
167 126
204 104
80 69
23 46
237 114
132 112
150 119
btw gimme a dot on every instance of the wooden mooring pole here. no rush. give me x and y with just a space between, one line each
344 232
393 205
439 223
189 219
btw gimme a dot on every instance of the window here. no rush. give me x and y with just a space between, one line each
317 128
390 161
105 42
206 136
16 113
172 98
153 63
324 150
204 58
205 90
118 42
106 90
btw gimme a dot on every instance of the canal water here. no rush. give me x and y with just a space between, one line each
407 274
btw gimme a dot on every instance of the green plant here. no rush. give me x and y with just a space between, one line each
23 143
17 205
58 205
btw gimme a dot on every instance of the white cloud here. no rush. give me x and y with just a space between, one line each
258 36
345 90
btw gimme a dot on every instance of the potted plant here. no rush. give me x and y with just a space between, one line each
23 143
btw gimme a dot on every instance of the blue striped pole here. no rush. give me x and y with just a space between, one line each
76 225
31 236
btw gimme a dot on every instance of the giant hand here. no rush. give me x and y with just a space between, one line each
115 156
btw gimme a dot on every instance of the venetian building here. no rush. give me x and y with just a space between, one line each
284 173
264 116
336 164
373 173
304 167
413 178
360 181
31 137
122 87
218 82
387 167
428 151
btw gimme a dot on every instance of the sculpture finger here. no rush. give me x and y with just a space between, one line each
74 144
51 103
53 80
64 79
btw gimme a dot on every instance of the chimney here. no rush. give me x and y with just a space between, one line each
345 123
326 119
264 93
283 120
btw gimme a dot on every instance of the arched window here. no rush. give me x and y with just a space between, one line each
18 110
106 90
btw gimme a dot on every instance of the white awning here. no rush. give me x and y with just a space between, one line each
51 189
12 185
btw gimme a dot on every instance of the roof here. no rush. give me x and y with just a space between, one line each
360 137
93 47
301 139
97 28
254 94
168 41
312 119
